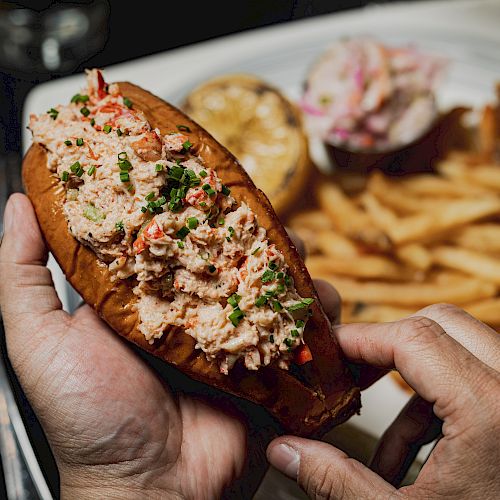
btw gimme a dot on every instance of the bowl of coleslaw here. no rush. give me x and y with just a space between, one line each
368 102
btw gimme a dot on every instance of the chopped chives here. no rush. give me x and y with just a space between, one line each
80 98
203 173
127 102
267 276
289 342
75 166
212 269
187 145
273 266
261 301
236 316
303 304
230 230
180 244
234 300
79 142
119 133
119 225
68 142
271 339
183 128
144 210
183 232
85 111
158 167
124 177
225 190
255 251
53 113
192 222
92 122
221 221
150 196
294 333
107 129
277 307
122 156
91 170
65 176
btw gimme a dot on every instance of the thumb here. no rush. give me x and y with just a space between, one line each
323 471
26 287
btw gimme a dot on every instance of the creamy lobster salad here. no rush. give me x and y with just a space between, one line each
151 210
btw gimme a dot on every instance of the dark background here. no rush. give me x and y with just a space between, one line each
127 30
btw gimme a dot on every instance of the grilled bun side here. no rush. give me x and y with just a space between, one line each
307 400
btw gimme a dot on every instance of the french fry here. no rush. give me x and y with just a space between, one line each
487 311
487 176
373 313
481 237
454 214
311 219
336 245
411 294
429 185
349 219
363 266
395 196
382 216
468 261
414 255
487 132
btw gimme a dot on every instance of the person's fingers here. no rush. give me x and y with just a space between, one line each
323 471
330 299
476 337
299 244
415 426
435 365
26 287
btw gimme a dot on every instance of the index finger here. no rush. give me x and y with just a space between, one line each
435 365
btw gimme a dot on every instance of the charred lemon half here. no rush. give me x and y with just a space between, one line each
261 127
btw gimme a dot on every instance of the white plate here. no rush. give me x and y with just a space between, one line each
464 31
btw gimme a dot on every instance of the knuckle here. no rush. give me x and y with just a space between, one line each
322 481
442 310
421 330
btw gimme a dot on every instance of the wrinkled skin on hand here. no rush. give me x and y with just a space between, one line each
120 422
452 361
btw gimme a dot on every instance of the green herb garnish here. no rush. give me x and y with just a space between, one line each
85 111
183 232
236 316
119 225
158 167
124 176
127 102
187 145
183 128
268 276
107 129
91 170
53 113
80 98
68 142
303 304
203 173
225 190
65 176
79 142
192 222
180 244
119 133
234 300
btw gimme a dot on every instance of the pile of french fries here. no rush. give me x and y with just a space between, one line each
400 244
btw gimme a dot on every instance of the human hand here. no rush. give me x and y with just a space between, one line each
452 361
114 426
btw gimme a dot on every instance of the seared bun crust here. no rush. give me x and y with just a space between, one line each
308 399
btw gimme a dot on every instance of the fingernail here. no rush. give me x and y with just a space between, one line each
285 459
8 216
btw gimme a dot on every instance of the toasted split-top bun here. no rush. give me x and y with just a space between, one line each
306 400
